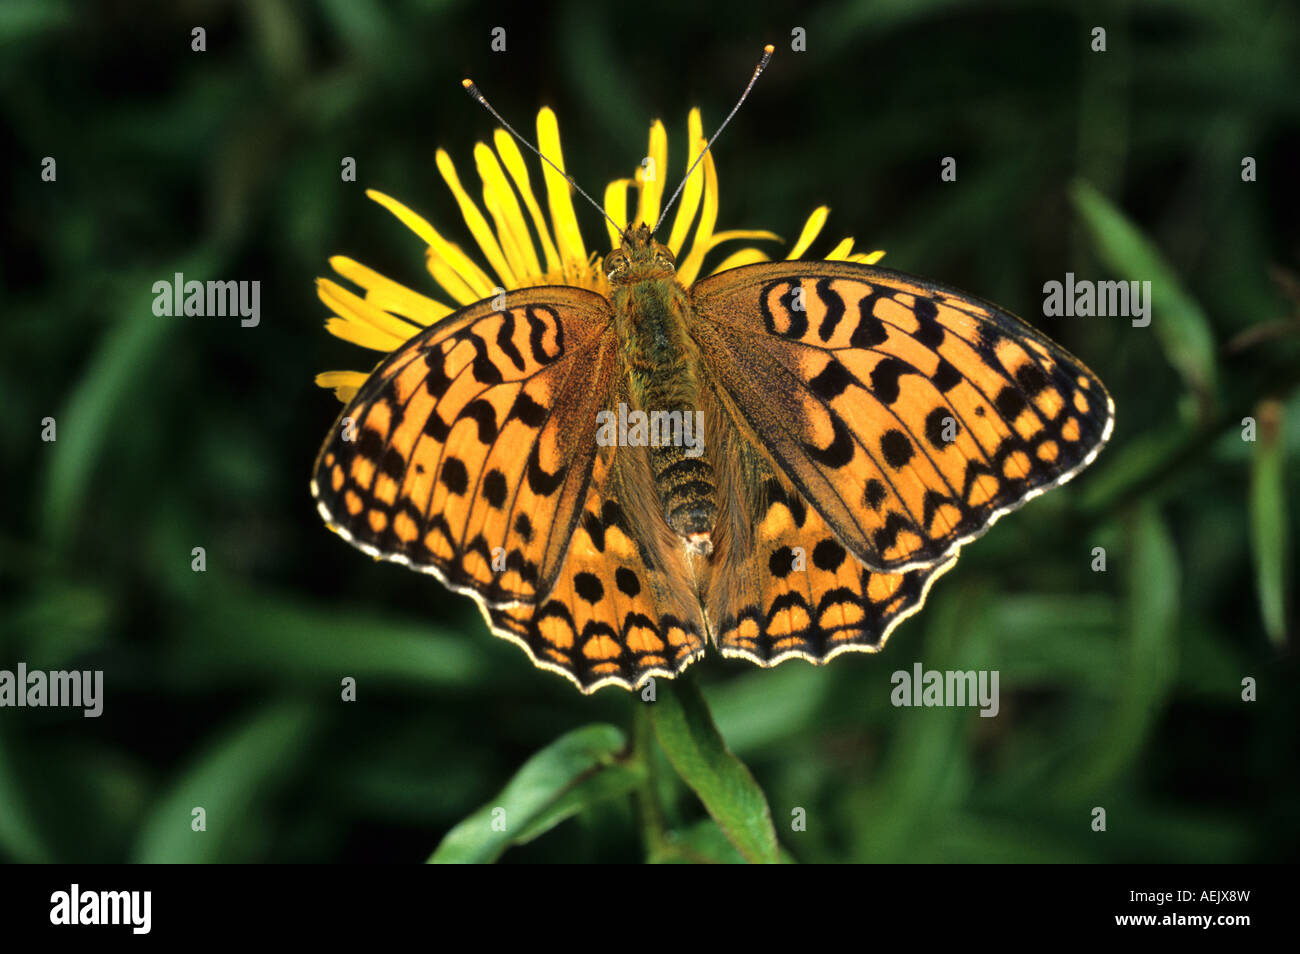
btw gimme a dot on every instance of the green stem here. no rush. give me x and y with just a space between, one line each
654 828
687 734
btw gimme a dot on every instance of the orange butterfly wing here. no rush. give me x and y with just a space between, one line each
467 453
622 609
909 415
781 584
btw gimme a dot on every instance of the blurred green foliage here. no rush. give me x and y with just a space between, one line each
1120 689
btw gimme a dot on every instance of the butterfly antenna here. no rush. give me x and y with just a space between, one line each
758 70
482 100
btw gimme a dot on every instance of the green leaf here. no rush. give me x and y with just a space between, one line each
767 705
701 843
926 772
26 21
686 733
1268 520
228 781
578 769
1180 324
245 631
20 831
1149 672
118 373
1136 466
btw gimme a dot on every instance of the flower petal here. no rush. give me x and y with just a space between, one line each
387 294
745 256
363 335
504 208
810 230
689 269
650 176
357 311
345 383
690 201
449 277
841 252
478 226
731 235
616 209
464 280
514 162
558 194
870 258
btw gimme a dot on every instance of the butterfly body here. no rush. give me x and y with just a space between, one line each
860 426
661 370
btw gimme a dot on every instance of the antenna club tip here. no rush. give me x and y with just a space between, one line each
467 83
769 49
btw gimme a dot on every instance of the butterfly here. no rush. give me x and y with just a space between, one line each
778 460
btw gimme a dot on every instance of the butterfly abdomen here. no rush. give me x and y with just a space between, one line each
662 364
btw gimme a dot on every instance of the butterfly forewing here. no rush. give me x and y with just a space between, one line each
909 415
468 452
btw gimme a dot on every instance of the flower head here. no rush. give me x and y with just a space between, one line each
552 252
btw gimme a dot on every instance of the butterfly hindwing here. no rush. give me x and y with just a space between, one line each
620 610
467 453
782 585
909 415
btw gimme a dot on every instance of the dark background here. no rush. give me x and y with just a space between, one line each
1120 689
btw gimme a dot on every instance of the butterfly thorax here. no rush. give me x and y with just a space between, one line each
661 366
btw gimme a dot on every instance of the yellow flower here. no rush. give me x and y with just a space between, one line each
390 313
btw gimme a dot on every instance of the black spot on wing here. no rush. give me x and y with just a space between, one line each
884 379
537 329
370 445
781 562
936 422
394 464
896 448
454 476
484 369
527 410
1031 377
946 377
627 581
588 586
506 341
435 378
929 332
870 330
494 488
874 494
828 555
839 451
1009 403
542 482
834 306
831 381
483 414
436 427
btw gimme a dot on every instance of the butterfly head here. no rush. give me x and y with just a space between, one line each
640 258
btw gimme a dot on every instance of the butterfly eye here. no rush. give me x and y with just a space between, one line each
615 264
